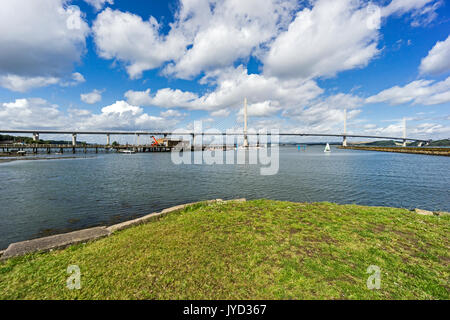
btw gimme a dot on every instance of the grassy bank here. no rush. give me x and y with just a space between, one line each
252 250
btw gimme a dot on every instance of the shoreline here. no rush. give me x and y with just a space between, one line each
445 152
64 240
39 158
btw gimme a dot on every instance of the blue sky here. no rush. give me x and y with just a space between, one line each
143 65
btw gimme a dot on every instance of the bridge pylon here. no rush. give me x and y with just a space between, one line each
404 132
245 124
344 140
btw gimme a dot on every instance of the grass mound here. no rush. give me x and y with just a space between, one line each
253 250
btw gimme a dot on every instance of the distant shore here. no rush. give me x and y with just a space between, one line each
413 150
36 158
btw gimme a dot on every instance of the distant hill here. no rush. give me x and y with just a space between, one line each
438 143
382 143
389 143
27 140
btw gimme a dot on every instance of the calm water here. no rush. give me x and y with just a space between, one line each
39 198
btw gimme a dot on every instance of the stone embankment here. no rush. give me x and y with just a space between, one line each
61 241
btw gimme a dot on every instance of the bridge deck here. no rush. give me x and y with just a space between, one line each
190 133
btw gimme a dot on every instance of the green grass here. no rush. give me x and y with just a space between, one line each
255 250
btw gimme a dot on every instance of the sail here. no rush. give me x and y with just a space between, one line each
327 148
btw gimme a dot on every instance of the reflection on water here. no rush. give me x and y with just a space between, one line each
51 196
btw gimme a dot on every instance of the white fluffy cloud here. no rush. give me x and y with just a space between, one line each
299 102
39 48
403 6
231 30
206 35
423 130
35 113
425 92
330 37
99 4
22 83
323 38
326 114
232 86
260 109
438 59
92 97
129 39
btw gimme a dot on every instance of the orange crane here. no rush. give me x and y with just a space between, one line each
154 143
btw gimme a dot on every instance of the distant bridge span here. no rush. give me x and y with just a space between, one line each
74 134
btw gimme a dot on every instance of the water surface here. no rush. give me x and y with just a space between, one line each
45 197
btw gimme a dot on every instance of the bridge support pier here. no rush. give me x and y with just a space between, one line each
74 139
108 139
344 141
35 136
404 143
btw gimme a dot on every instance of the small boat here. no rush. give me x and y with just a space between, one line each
327 148
127 151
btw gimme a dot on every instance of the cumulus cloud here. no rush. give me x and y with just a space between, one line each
223 113
230 30
171 114
422 11
22 84
260 109
424 92
36 113
323 38
331 36
39 48
232 86
129 39
205 35
92 97
326 114
423 130
438 59
99 4
402 6
297 101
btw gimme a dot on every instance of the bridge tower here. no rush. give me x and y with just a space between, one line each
108 139
74 139
404 132
36 136
245 124
344 141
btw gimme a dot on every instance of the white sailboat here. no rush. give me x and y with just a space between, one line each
327 148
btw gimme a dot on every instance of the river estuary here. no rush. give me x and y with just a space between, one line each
39 198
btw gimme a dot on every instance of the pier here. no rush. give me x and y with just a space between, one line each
22 149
